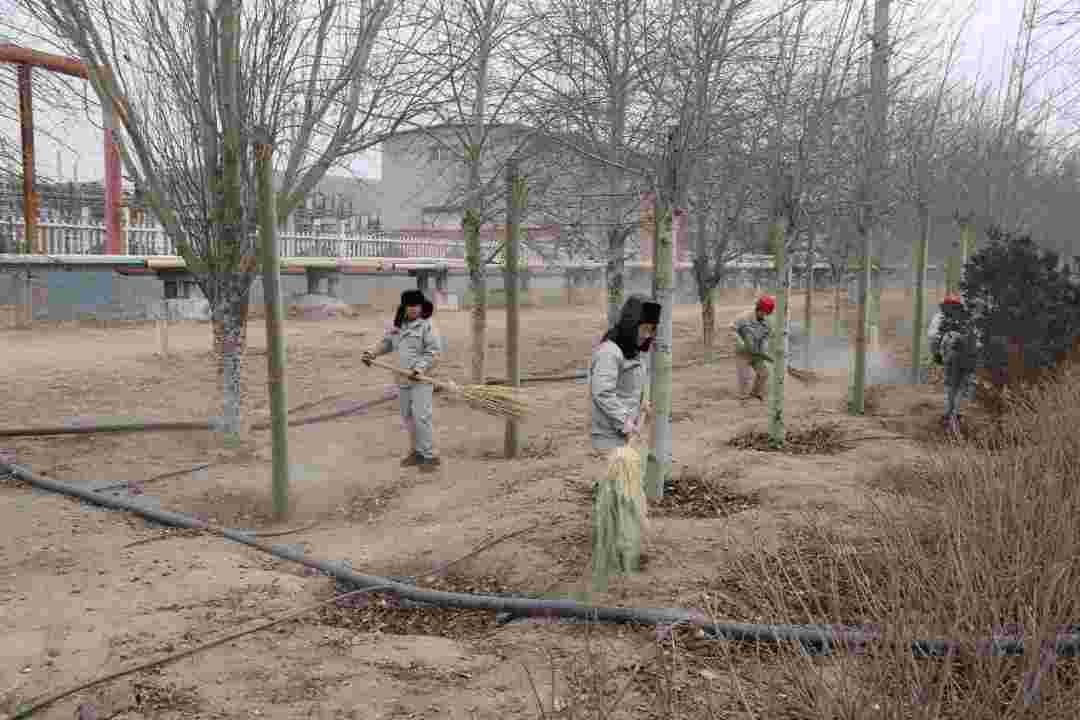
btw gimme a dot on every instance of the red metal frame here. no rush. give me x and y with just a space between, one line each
27 59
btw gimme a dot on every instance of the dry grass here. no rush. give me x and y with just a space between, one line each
970 543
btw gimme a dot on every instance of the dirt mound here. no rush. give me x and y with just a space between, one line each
694 496
395 616
824 439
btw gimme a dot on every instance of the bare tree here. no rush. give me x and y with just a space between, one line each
191 80
592 90
924 148
475 110
870 195
701 48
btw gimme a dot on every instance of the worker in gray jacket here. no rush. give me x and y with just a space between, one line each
617 374
417 344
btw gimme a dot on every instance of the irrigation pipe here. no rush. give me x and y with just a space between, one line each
110 428
155 426
817 638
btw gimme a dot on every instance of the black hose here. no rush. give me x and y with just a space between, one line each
815 638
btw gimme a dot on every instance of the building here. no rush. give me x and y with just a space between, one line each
339 205
425 179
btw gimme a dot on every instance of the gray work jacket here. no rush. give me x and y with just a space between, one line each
417 345
615 385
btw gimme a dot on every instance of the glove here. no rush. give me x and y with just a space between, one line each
630 426
366 357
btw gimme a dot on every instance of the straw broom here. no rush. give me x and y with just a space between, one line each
620 515
490 399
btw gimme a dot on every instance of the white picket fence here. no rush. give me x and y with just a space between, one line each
66 238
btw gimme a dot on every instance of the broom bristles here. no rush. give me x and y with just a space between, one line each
495 401
619 518
624 473
806 376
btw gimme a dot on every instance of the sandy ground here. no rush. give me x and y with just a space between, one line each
76 603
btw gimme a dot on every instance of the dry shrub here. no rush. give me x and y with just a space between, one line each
995 550
969 545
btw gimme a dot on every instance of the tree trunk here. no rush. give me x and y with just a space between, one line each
779 339
808 310
708 320
474 212
922 248
838 290
872 190
659 463
952 270
967 242
231 306
703 274
478 287
229 324
615 273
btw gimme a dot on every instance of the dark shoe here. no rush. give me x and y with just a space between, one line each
429 465
410 460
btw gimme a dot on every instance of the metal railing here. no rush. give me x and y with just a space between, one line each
74 238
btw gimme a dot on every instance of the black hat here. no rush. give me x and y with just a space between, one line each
625 332
650 313
412 297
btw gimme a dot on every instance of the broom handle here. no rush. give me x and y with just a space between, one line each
642 419
408 374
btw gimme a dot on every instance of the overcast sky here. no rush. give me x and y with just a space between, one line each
987 41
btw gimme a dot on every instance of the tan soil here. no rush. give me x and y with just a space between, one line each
75 604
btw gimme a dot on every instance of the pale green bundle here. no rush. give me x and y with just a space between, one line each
620 517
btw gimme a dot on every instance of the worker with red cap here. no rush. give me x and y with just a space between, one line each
954 345
751 332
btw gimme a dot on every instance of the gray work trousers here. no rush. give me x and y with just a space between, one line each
416 414
965 388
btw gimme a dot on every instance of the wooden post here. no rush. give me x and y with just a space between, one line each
25 318
113 184
26 127
275 337
515 203
163 328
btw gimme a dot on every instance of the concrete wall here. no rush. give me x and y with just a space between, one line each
68 295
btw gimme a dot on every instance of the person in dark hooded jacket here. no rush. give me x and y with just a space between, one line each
955 345
416 341
617 374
